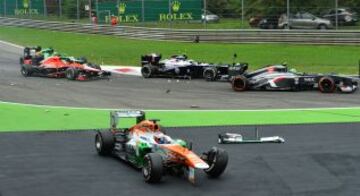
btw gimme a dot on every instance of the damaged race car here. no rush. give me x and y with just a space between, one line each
146 146
278 77
47 63
223 72
177 66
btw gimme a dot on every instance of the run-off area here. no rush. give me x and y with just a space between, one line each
318 159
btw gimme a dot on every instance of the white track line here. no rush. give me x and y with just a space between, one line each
11 44
181 110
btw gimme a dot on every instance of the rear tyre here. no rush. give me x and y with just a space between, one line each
327 85
26 70
147 71
104 142
71 73
239 83
209 74
217 160
153 168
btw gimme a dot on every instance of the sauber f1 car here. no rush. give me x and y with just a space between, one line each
146 146
278 77
176 66
53 65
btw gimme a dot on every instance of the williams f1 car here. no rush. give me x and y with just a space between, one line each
146 146
278 77
223 72
37 62
176 66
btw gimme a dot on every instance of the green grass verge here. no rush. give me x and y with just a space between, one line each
115 50
15 117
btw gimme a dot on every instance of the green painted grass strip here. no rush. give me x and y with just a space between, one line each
31 118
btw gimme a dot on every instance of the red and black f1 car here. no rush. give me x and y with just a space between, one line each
278 77
33 63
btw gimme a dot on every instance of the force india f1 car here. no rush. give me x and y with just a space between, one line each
33 63
147 147
175 66
277 77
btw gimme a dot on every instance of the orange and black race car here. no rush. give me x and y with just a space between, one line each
47 63
147 147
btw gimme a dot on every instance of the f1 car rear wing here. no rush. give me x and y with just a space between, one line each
116 115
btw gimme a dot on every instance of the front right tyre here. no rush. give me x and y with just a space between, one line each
239 83
217 159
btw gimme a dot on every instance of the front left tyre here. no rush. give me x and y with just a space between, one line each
26 70
153 168
327 85
71 73
209 74
147 71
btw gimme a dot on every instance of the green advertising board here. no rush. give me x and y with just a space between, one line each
21 7
132 11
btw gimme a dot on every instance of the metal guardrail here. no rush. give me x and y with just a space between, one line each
351 37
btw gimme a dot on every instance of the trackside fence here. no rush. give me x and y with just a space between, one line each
351 37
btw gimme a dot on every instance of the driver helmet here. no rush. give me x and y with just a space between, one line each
293 70
56 54
159 139
37 48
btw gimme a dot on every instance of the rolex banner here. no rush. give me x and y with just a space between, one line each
21 7
130 11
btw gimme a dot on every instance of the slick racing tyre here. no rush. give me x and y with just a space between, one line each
327 85
147 71
217 160
153 168
26 70
104 142
210 74
71 73
239 83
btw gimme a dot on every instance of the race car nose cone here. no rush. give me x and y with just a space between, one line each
201 166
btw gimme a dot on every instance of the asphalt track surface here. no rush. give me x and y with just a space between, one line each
314 160
135 92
